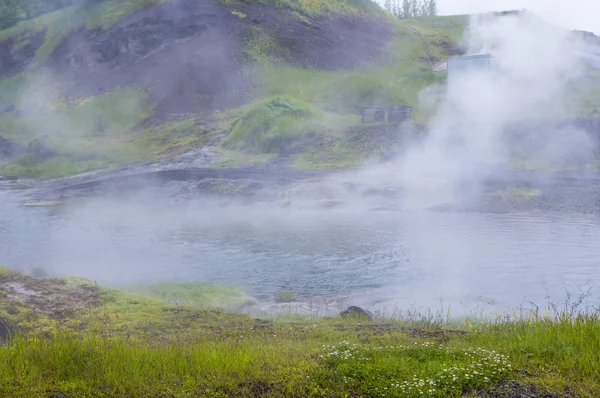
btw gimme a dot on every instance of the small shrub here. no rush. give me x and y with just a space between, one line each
285 297
39 273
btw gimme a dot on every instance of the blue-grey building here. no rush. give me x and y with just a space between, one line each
467 63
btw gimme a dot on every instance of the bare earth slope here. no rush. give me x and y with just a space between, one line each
190 54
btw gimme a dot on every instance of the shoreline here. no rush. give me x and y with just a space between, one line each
96 341
502 192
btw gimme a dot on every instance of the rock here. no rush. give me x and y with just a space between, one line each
356 312
9 178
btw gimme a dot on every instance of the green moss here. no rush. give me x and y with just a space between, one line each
319 7
170 138
270 122
261 47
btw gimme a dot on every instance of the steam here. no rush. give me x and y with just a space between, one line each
535 67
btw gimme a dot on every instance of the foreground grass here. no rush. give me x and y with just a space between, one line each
114 343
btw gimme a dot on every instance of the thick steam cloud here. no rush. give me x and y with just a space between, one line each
535 67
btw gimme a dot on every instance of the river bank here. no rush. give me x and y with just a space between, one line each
75 338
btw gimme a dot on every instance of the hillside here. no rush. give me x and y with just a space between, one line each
104 83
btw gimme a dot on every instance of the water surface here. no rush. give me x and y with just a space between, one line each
404 258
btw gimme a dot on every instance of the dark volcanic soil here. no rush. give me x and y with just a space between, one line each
190 53
16 53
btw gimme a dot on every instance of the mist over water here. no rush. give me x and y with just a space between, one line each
380 259
377 258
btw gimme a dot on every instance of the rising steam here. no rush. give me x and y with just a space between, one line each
535 67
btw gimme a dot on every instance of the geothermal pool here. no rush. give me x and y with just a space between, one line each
386 258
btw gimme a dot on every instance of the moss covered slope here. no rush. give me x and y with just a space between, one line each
99 84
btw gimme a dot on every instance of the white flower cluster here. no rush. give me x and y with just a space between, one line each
484 367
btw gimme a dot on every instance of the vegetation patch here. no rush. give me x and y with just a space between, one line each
285 297
320 7
70 137
351 149
398 371
170 138
261 47
520 194
268 124
346 92
196 295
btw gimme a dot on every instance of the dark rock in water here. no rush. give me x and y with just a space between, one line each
9 178
356 312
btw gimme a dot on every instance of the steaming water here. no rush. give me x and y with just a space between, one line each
463 259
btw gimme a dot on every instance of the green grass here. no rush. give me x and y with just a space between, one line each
289 104
319 7
97 132
191 294
83 135
557 354
51 168
347 91
107 115
7 273
91 341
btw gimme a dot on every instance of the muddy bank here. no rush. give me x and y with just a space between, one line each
502 192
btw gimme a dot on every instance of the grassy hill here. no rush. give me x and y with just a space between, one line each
103 83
